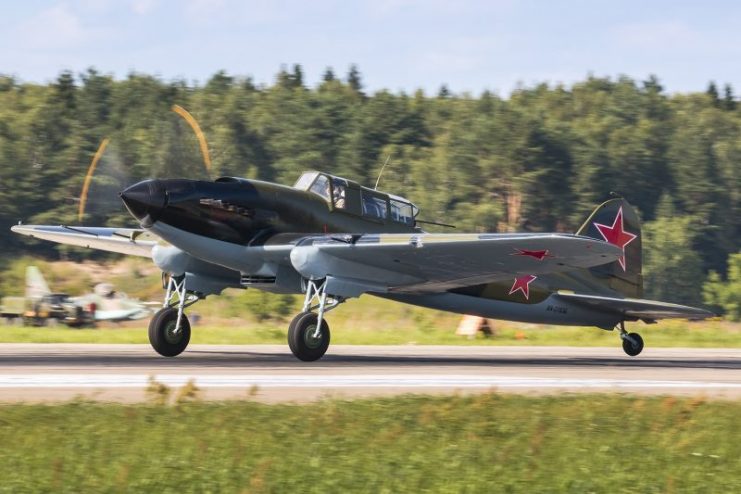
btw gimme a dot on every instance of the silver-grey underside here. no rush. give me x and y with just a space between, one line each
418 269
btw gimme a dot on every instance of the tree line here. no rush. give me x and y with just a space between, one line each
538 159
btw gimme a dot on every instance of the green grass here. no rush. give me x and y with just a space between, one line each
236 317
484 443
243 332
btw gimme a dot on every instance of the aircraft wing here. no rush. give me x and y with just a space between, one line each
122 314
417 263
121 240
638 308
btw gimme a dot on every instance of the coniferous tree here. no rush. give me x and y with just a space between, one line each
353 79
653 84
328 75
672 270
540 158
729 102
298 76
712 91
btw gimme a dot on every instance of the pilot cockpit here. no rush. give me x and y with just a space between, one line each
350 197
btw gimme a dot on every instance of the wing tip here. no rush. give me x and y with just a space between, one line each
22 229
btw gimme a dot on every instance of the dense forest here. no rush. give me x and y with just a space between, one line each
539 159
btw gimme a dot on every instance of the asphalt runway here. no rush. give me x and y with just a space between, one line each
58 372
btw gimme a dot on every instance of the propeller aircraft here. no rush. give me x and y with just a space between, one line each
331 240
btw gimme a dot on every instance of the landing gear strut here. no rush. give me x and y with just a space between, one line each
632 342
169 329
308 333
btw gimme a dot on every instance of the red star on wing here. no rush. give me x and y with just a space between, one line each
522 284
537 254
617 235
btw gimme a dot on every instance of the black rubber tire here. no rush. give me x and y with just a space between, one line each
290 330
302 345
160 336
634 347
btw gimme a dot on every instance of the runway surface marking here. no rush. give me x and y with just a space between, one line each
59 372
333 381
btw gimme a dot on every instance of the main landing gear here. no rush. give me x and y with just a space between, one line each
632 342
169 329
308 333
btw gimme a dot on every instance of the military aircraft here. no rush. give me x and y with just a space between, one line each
330 239
103 304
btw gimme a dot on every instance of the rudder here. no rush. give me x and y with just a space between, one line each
616 221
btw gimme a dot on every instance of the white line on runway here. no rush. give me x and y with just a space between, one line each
329 381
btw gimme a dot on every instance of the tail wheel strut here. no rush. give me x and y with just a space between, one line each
632 342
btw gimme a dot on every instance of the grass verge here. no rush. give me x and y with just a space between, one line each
482 443
665 334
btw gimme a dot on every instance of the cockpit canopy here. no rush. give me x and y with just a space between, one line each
348 196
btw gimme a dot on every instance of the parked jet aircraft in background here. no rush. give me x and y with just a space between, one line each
331 240
104 303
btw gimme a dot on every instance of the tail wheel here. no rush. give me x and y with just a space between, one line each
632 344
304 341
163 335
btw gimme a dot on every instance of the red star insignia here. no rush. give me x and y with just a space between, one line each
522 284
537 254
617 235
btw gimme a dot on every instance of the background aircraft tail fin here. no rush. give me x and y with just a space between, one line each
36 286
616 221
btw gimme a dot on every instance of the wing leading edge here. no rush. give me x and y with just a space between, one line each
121 240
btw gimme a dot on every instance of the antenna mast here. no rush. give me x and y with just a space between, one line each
381 172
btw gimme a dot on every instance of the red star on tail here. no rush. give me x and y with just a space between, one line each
522 284
617 235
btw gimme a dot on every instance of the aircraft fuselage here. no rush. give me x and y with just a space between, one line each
222 222
245 212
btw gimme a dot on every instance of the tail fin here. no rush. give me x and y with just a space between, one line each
36 286
616 221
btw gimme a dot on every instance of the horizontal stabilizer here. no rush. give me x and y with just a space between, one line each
638 308
121 240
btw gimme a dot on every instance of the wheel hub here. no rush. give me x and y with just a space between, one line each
310 340
172 335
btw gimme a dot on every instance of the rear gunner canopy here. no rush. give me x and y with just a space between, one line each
351 197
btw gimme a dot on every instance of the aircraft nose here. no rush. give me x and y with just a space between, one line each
145 200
